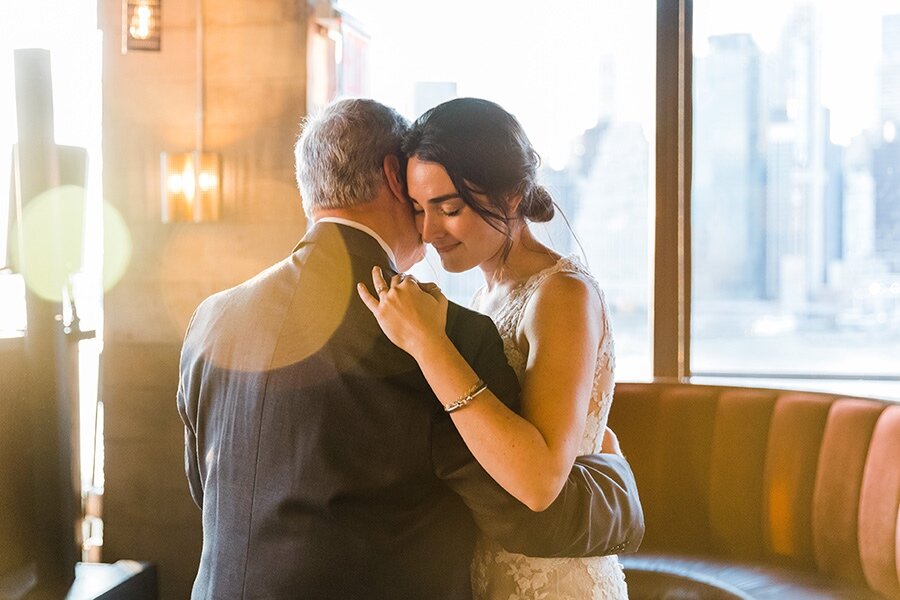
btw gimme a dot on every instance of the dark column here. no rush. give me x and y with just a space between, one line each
55 497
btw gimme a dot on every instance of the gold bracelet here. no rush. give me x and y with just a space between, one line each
467 397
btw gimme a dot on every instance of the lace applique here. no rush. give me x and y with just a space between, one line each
501 575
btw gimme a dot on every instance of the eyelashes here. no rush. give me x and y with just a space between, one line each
445 213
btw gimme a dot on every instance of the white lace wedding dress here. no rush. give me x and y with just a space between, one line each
501 575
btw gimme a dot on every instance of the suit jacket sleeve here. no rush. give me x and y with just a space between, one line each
187 404
191 466
597 513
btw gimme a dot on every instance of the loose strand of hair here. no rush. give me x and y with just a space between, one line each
572 231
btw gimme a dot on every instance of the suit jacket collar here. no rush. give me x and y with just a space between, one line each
363 246
357 243
366 229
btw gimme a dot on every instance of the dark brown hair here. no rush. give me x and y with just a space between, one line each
484 150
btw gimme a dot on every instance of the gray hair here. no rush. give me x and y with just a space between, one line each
340 153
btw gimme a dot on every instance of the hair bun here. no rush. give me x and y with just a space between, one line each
537 205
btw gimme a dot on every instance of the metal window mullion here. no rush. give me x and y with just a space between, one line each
672 248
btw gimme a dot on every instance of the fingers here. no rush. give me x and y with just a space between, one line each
432 290
403 279
368 299
380 286
378 281
398 281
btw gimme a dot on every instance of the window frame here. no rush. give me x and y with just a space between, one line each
671 316
671 288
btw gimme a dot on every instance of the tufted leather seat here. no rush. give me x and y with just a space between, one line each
706 578
754 493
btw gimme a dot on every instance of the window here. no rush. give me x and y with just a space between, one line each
68 29
796 189
580 77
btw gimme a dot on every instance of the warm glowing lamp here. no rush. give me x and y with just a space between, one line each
191 186
191 182
141 25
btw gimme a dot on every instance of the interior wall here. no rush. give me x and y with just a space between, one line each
15 475
255 97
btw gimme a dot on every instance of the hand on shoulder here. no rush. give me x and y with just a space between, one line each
412 315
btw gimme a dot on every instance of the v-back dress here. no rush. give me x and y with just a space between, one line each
501 575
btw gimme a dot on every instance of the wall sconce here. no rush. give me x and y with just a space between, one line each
191 186
141 25
191 182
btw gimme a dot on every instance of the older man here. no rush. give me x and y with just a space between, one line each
322 462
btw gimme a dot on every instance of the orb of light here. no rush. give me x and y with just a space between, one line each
53 243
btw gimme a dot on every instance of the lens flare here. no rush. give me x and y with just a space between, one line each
53 229
53 240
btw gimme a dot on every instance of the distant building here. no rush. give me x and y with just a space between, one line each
728 197
859 200
833 201
886 155
612 215
559 232
886 169
798 166
889 84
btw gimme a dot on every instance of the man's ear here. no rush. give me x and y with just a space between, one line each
394 178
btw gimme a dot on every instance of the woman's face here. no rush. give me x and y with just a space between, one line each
461 237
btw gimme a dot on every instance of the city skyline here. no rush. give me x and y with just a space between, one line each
784 227
589 95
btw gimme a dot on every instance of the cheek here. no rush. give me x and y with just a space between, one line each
482 229
491 240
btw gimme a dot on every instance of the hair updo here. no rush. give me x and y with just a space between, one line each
537 205
484 150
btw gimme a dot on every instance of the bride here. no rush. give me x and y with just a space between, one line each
471 177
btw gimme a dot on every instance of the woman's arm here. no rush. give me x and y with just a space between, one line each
529 455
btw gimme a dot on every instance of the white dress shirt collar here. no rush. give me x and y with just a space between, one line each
364 229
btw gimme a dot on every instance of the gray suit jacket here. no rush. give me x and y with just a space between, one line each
322 462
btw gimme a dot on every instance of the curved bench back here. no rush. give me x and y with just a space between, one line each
792 458
800 479
879 521
737 472
836 542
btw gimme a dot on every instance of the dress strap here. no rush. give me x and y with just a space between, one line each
570 264
566 264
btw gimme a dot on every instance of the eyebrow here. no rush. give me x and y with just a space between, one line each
439 199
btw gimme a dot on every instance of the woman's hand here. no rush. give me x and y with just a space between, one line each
411 314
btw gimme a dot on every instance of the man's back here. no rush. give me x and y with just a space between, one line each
312 457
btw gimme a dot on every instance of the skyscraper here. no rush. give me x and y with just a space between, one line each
886 168
796 165
859 200
886 156
728 198
889 84
833 201
612 215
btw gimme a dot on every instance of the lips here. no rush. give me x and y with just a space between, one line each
447 248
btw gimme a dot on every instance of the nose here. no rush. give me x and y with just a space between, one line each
429 227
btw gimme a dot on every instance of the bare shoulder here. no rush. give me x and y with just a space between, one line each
564 300
567 290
